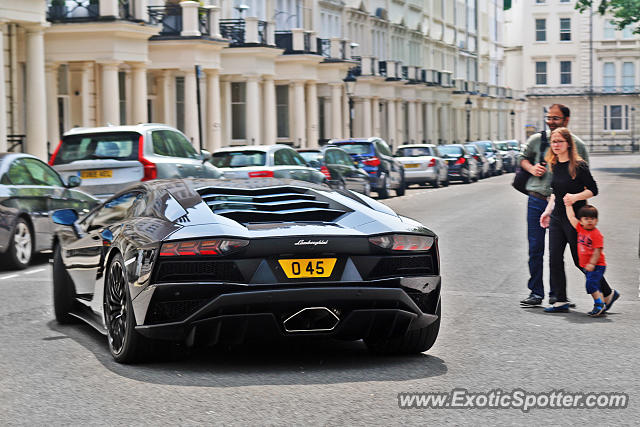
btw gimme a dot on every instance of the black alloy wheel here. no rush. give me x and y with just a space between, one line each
400 191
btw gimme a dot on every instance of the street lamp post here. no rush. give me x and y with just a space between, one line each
513 123
349 85
633 128
241 8
467 107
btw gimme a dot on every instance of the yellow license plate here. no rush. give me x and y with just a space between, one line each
411 165
307 268
106 173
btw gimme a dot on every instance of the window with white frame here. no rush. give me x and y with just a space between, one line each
330 24
471 16
565 29
541 1
282 110
628 76
541 72
63 98
616 117
288 14
609 32
627 32
541 30
238 110
565 72
609 76
256 9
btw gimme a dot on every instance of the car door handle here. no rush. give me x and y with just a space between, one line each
179 166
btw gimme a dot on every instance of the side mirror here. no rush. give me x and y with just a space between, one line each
73 181
205 155
65 217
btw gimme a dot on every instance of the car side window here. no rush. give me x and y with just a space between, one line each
172 144
436 152
296 159
42 174
113 211
383 148
18 174
280 157
346 159
330 157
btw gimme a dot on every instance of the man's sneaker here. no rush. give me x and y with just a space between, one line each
558 307
616 295
532 300
598 309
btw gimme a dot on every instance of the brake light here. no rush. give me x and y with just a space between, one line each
201 247
373 161
432 163
326 172
460 161
403 242
261 174
150 170
55 153
476 157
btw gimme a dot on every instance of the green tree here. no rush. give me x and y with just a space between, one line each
624 12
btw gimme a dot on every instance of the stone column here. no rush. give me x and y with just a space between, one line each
191 107
336 110
110 94
299 120
391 120
375 116
270 117
163 79
51 72
420 123
252 118
190 22
36 142
312 115
139 93
347 118
413 126
400 116
3 96
366 118
214 129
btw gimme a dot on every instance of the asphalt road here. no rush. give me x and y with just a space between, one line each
52 374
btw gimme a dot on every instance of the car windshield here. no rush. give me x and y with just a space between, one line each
115 145
311 156
357 148
450 150
502 146
512 144
487 146
472 149
414 152
238 159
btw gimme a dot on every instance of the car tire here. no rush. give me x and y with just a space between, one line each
402 188
412 342
21 246
467 179
64 292
125 344
446 182
367 189
383 191
436 182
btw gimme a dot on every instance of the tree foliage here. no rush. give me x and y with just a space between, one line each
624 12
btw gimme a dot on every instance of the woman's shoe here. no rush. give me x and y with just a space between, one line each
558 307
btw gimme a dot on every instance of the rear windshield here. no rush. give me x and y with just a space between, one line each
472 148
414 152
311 156
115 145
451 150
356 148
502 146
238 159
487 146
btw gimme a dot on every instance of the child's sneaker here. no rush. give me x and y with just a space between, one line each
598 309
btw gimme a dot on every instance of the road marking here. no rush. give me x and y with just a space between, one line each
10 276
34 271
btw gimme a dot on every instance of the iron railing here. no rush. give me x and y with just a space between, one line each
323 47
583 90
204 26
263 27
382 68
234 30
125 9
404 72
170 17
307 42
14 141
357 70
73 10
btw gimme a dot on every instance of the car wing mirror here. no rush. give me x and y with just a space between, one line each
73 181
67 217
205 156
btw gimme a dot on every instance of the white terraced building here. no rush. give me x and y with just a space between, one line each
557 55
271 70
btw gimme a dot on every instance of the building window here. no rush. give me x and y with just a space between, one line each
282 110
565 1
541 30
541 1
628 76
616 117
609 76
627 32
565 29
122 96
541 73
63 98
565 72
238 110
288 14
180 103
609 32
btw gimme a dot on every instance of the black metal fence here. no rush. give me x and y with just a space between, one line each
16 141
73 10
234 30
170 17
324 47
203 21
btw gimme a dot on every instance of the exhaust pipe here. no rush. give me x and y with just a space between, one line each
311 319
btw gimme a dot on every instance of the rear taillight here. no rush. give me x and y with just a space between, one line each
150 170
403 242
373 161
202 247
460 161
326 172
55 153
477 158
432 163
261 174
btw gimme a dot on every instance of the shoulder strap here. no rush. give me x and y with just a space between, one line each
544 144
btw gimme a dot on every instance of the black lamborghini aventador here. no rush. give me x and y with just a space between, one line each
222 262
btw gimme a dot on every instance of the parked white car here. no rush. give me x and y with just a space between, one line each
108 158
423 164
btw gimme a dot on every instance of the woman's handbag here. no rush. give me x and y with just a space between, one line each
522 176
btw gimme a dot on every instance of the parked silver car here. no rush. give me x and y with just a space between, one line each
509 156
108 158
423 164
265 161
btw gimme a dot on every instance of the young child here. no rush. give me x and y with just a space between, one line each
591 254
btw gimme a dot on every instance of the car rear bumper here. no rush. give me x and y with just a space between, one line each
359 311
413 175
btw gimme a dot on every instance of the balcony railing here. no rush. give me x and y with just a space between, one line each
324 47
294 43
404 72
73 10
357 70
262 32
170 17
204 26
16 142
583 90
382 68
234 30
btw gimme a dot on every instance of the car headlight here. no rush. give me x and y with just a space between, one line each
403 242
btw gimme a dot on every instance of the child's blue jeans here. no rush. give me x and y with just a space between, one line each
593 278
